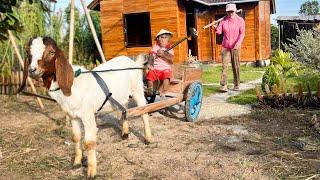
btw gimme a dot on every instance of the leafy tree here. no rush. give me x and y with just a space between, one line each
274 37
85 51
8 18
8 15
310 7
305 48
57 24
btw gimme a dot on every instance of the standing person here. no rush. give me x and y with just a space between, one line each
233 29
162 69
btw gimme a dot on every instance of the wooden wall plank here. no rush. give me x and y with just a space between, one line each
171 15
204 36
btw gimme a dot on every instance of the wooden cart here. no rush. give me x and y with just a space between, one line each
185 86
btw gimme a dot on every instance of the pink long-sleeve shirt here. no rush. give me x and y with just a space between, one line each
233 29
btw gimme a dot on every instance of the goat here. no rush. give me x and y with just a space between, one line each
81 96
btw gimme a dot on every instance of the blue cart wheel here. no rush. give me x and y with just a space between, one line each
193 101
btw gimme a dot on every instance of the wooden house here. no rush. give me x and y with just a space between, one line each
129 26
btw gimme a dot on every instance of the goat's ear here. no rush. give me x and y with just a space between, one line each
64 73
25 74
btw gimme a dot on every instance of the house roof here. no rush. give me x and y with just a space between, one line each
314 18
95 4
222 2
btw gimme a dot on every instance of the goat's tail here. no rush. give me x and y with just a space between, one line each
142 59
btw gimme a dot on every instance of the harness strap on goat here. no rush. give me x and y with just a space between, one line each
106 91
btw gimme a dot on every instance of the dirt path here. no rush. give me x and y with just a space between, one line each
216 105
34 144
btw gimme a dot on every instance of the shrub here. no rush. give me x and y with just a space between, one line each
270 77
282 66
305 48
274 37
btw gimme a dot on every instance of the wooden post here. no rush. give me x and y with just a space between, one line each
71 40
267 89
71 33
2 84
93 31
300 90
309 89
275 90
284 87
292 89
11 37
258 93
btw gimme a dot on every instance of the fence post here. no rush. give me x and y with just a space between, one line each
93 31
292 89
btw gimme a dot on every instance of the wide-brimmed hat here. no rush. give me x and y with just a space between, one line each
163 31
231 7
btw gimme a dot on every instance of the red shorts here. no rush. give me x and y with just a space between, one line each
154 74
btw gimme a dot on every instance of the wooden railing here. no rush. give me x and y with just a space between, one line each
10 85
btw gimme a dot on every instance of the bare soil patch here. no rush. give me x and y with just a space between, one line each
266 144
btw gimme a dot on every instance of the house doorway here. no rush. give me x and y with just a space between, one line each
191 23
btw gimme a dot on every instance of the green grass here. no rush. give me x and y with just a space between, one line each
249 96
306 78
212 89
245 97
212 74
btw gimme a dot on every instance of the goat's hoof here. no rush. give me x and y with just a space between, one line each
125 136
147 142
91 172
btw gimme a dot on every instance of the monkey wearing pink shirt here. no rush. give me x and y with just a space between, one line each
162 68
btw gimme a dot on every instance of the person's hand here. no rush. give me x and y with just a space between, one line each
160 53
237 46
215 25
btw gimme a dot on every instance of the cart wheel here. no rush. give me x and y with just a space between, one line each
151 99
193 101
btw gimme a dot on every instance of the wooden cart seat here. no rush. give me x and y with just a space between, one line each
175 81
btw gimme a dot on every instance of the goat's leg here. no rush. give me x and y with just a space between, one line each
90 137
124 124
76 130
125 129
141 101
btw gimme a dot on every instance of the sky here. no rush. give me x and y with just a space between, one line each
286 8
283 7
61 4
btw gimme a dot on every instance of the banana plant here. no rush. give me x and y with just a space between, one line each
284 63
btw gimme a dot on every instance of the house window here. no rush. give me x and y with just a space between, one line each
137 29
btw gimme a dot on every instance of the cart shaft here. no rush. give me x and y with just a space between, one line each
138 111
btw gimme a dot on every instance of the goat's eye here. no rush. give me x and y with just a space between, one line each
52 53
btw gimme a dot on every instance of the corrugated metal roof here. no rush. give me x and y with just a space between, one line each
315 18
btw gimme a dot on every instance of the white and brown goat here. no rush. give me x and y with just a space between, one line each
81 97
